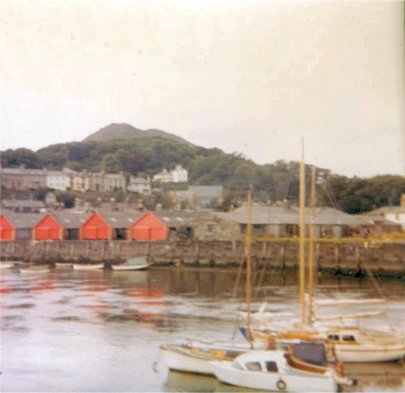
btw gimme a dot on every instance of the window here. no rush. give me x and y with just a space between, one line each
271 367
253 366
334 337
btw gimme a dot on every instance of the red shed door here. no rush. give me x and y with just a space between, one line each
48 229
148 227
95 228
7 231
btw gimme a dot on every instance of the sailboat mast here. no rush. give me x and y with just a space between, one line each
311 256
302 237
249 234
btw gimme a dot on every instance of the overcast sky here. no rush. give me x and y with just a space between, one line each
244 76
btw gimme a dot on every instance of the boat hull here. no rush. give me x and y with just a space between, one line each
88 267
130 267
226 373
178 361
6 265
34 270
367 354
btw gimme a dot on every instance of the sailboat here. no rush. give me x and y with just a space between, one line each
195 356
348 344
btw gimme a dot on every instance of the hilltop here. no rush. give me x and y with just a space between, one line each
126 131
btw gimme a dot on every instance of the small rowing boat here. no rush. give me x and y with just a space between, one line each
88 266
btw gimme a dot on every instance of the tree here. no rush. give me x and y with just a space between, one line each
111 163
67 198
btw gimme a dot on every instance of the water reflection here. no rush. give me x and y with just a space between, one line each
101 330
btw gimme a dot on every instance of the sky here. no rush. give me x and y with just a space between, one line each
252 77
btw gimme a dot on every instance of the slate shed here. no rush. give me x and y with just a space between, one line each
148 227
108 225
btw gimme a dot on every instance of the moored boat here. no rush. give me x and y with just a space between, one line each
196 356
6 265
349 344
127 266
278 370
34 269
63 265
88 266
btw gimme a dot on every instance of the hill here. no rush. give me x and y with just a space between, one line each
126 131
121 147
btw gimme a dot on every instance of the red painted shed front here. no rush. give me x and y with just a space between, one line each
48 229
148 227
95 228
7 230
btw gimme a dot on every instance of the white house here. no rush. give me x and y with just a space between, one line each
177 175
163 177
180 175
140 185
394 214
57 180
114 181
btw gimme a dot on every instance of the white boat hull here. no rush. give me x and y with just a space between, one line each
183 362
63 265
34 270
6 265
272 381
130 267
362 353
88 267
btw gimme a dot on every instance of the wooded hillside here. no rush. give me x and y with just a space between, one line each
147 154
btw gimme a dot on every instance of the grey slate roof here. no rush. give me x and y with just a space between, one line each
273 215
207 191
21 203
23 220
119 220
70 220
178 218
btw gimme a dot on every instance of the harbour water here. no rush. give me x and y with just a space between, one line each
100 331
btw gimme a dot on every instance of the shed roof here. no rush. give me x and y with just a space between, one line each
178 218
23 220
21 203
70 220
118 220
272 215
207 191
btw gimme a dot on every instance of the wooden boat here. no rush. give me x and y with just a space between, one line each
349 344
6 265
196 356
88 266
63 265
278 371
135 263
127 266
34 269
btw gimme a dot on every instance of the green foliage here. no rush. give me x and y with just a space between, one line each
67 198
16 158
40 193
356 195
146 156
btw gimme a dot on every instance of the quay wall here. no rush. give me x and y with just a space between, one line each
343 256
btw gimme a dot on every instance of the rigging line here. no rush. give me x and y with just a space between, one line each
331 197
235 289
291 175
379 290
